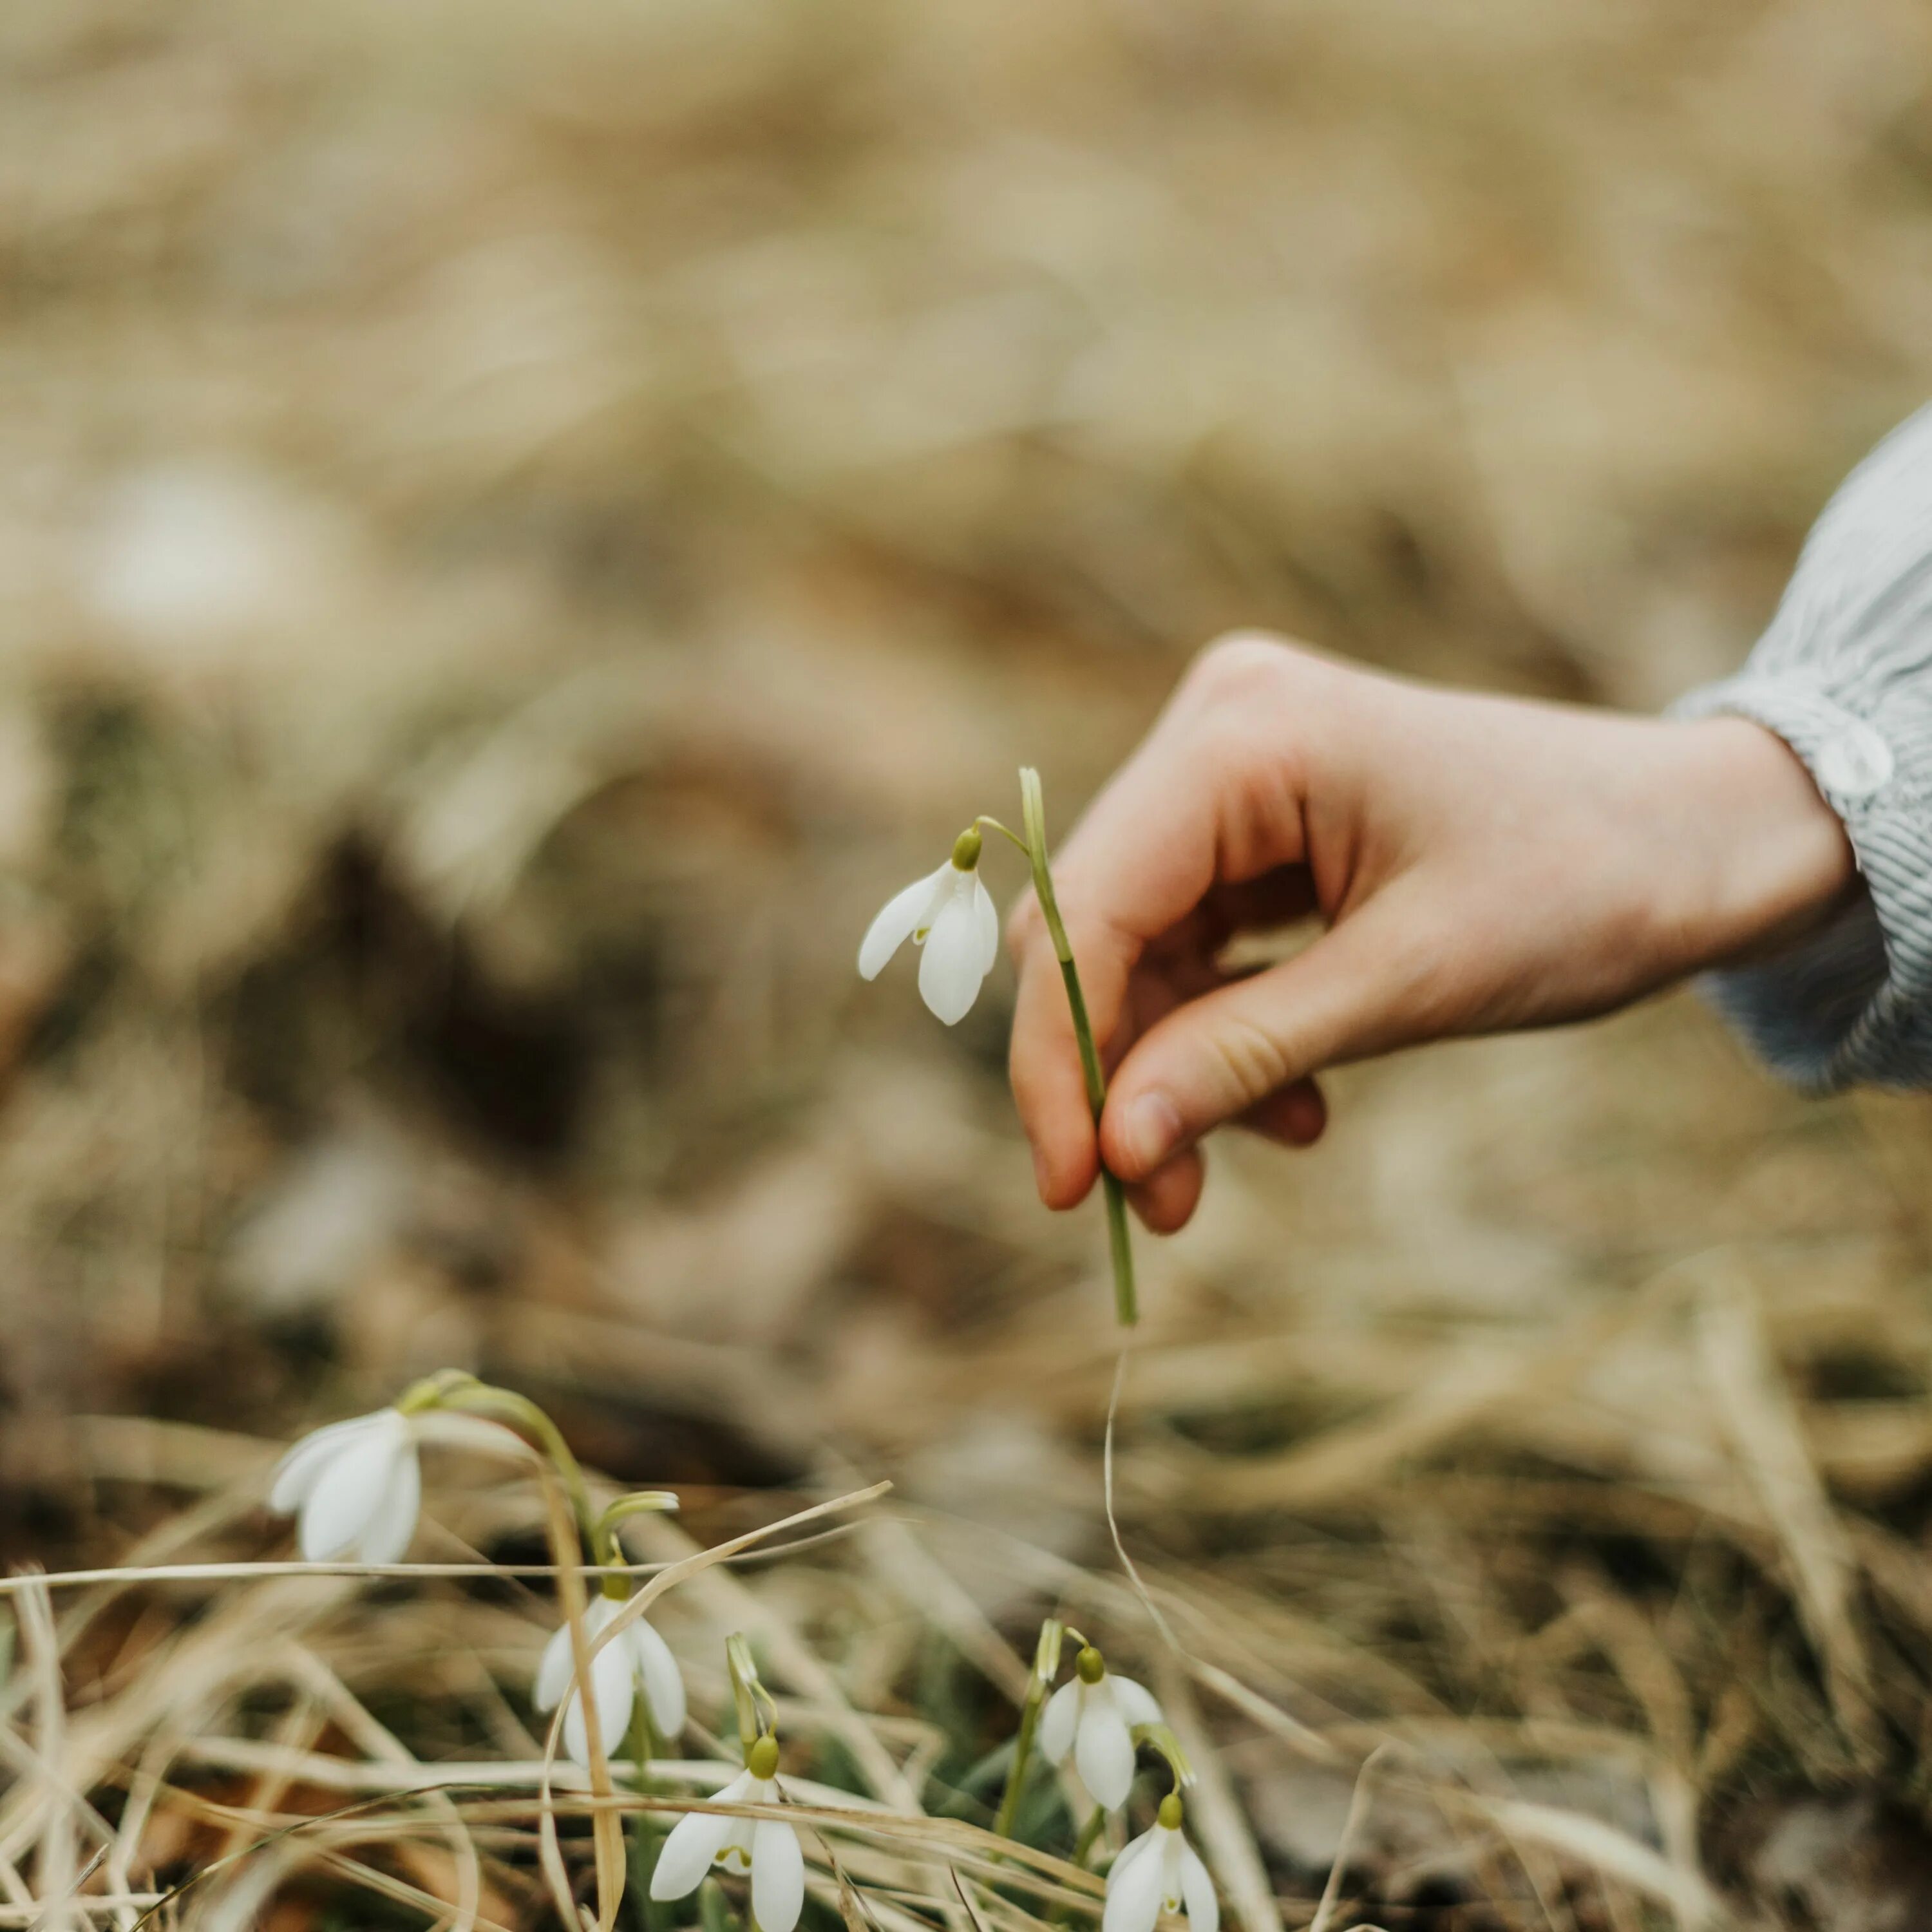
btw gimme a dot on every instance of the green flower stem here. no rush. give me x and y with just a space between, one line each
604 1546
757 1714
714 1910
1045 1668
646 1837
1089 1832
434 1391
1009 1799
519 1413
1159 1738
1126 1307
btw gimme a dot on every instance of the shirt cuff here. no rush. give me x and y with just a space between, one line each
1851 1004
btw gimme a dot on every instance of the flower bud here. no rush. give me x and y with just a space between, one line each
966 850
762 1759
1172 1811
1091 1666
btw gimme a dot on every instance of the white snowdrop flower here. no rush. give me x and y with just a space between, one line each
636 1656
358 1485
767 1848
1093 1717
1160 1871
949 913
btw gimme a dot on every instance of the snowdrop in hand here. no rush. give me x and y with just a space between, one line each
636 1657
1093 1717
949 913
1160 1871
767 1848
358 1485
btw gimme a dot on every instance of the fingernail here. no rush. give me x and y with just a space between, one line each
1152 1131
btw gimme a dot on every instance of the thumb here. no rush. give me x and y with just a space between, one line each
1360 989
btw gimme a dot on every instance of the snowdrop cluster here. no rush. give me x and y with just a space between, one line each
356 1488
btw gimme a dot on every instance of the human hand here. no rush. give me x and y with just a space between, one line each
1479 864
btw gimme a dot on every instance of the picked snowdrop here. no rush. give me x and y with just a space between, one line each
1093 1717
767 1848
358 1485
1160 1871
950 914
636 1658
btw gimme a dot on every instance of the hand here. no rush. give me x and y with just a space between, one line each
1479 864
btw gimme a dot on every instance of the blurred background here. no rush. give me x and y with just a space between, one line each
519 526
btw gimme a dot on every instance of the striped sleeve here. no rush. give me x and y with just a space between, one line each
1844 676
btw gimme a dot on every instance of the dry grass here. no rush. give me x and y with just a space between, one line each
516 526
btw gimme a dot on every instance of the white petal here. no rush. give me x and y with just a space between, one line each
951 971
1104 1753
1197 1890
685 1856
1172 1844
614 1700
664 1682
1133 1889
988 918
614 1684
296 1472
387 1538
1135 1701
614 1676
553 1670
560 1660
348 1491
1057 1721
777 1877
902 916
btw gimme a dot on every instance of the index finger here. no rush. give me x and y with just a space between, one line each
1205 798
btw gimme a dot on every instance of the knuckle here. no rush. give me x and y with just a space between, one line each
1241 663
1251 1060
1249 693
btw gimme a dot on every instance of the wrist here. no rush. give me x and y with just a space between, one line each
1773 863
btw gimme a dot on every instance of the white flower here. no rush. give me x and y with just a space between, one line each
1160 1871
636 1655
767 1848
358 1485
951 914
1093 1717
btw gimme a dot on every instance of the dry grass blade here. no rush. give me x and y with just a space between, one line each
1604 1848
1763 1423
1126 1562
57 1872
1352 1823
363 1730
606 1829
